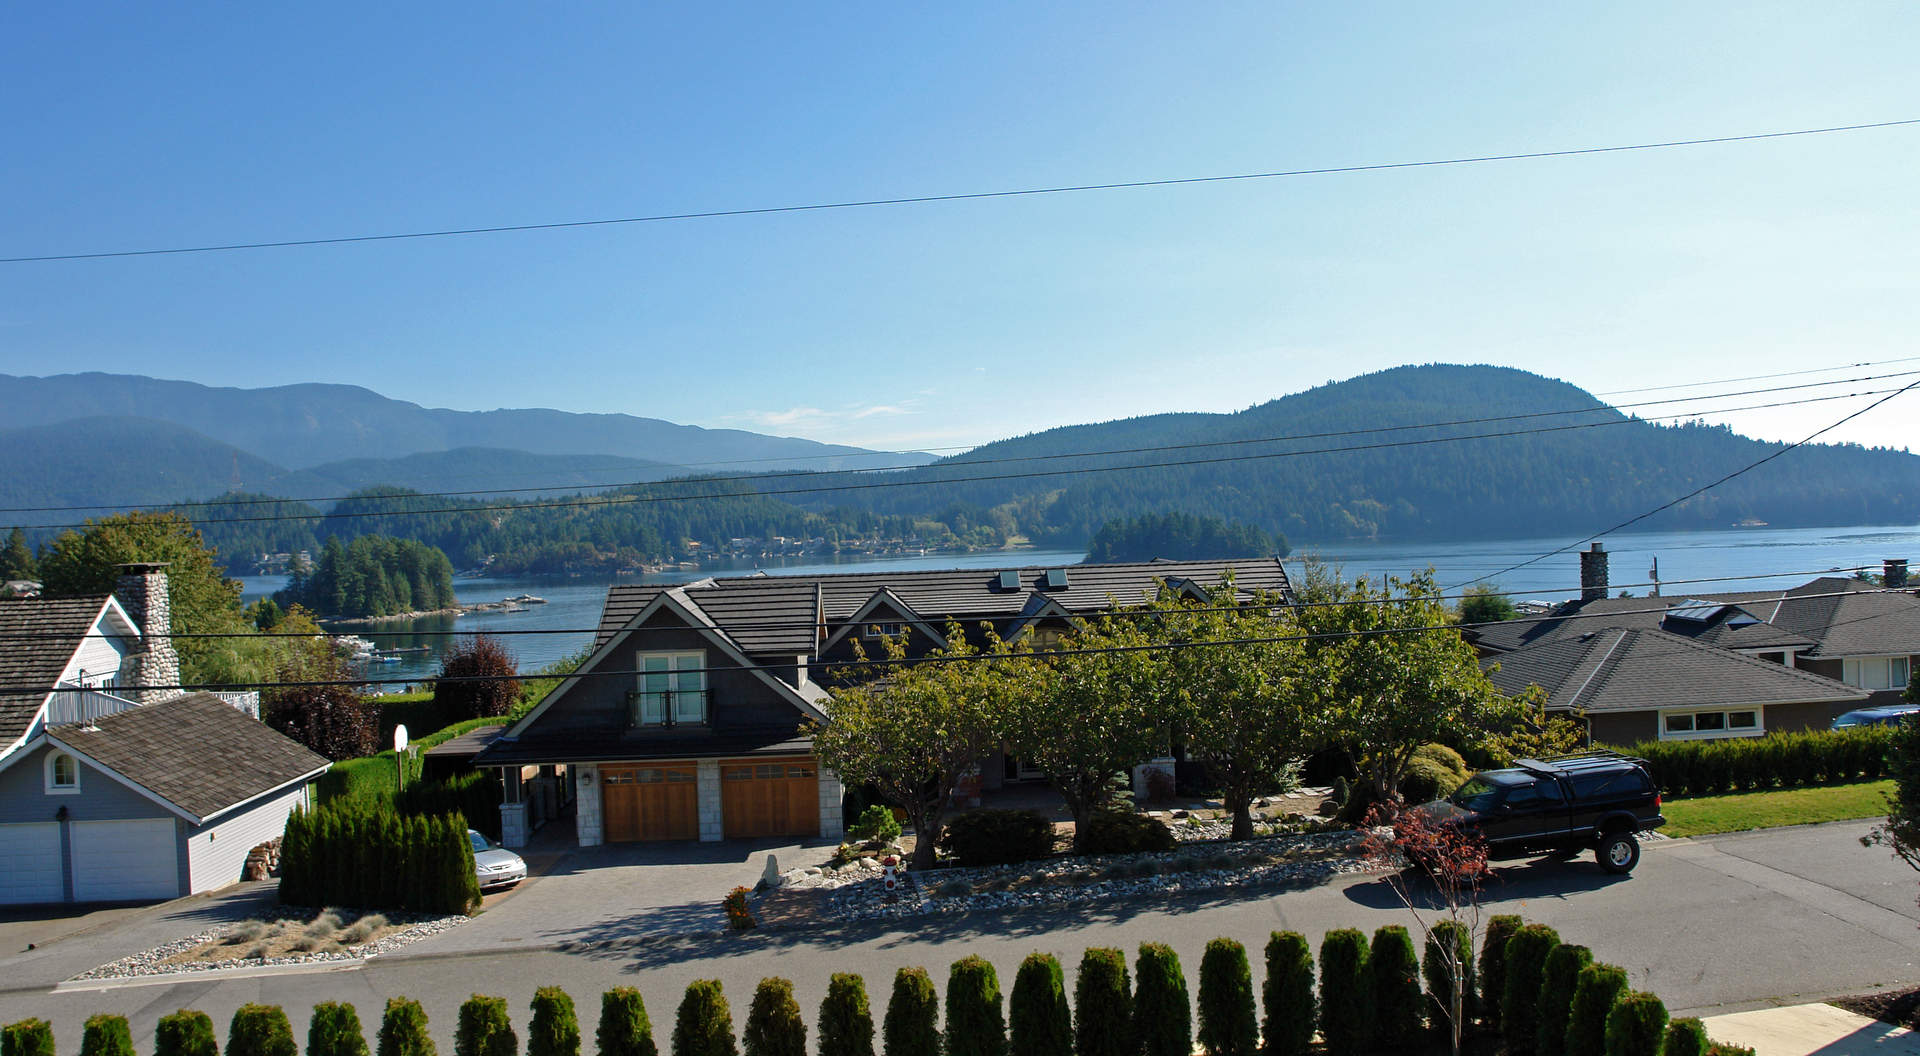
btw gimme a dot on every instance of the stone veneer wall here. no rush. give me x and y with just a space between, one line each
708 789
832 825
513 824
142 590
587 816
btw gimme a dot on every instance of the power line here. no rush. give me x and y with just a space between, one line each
1756 377
882 662
972 196
794 625
1809 438
624 500
1093 453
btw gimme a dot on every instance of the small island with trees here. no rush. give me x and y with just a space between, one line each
372 577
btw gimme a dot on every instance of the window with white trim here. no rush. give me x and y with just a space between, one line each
883 629
1876 672
672 690
1703 725
63 774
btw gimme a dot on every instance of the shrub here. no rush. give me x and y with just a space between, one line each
1439 975
1160 785
1433 773
976 1020
846 1023
1227 1023
106 1035
1599 988
484 1028
29 1037
1558 978
1493 964
1685 1037
334 1030
774 1026
624 1027
1393 974
704 1024
184 1033
876 824
477 679
1636 1026
260 1030
1102 1009
911 1025
1520 997
1785 760
1037 1016
554 1029
362 854
1162 1015
1345 1018
1286 997
996 837
1124 832
403 1029
739 917
1722 1048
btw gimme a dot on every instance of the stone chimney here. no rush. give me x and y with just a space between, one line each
1893 573
1593 573
142 590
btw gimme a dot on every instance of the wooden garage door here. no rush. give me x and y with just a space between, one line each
777 797
649 803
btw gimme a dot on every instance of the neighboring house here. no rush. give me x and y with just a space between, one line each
689 719
1643 684
115 793
1859 636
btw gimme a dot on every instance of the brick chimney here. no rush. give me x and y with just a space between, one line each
1593 573
142 590
1893 573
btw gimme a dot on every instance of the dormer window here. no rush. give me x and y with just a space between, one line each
63 774
883 630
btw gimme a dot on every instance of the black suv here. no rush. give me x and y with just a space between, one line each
1597 800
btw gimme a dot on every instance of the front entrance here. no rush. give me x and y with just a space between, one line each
650 802
777 797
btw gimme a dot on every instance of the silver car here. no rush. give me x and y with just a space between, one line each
494 865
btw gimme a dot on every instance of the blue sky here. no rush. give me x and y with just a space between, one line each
948 324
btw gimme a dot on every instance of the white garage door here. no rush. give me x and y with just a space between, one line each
30 863
124 861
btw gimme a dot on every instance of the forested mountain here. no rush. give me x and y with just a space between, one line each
127 462
1179 537
301 426
1377 478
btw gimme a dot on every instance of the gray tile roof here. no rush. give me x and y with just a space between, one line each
1572 619
1848 617
30 666
562 749
1631 669
773 615
197 752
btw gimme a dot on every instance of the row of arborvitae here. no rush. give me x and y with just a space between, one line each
367 855
1778 760
1543 997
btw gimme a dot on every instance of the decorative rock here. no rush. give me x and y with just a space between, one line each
1179 814
771 875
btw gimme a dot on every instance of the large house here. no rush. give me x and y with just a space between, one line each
690 718
1706 665
125 794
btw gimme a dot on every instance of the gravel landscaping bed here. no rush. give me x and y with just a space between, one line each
857 893
156 961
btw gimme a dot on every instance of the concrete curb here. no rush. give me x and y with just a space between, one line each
210 975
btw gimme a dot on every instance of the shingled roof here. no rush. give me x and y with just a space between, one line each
767 614
196 752
38 637
1630 669
1727 623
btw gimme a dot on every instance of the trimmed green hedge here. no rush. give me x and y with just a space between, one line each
1526 969
624 1027
1346 993
29 1037
1399 1011
185 1033
911 1027
1103 1008
334 1030
1227 1023
359 855
1493 964
1437 967
484 1029
403 1029
1286 995
1038 1019
774 1025
1561 975
976 1016
1778 760
1162 1014
997 837
704 1024
260 1030
846 1021
107 1035
555 1027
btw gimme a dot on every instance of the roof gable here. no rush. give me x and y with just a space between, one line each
1632 669
38 640
885 600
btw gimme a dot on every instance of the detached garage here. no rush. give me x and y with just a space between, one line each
150 803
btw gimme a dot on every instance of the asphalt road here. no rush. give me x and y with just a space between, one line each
1718 923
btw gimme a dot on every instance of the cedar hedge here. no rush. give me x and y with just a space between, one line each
334 1030
29 1037
704 1024
185 1033
976 1020
911 1025
1038 1020
1438 967
1525 970
1599 988
1227 1023
554 1029
1286 996
260 1030
1393 973
624 1027
106 1035
1103 1011
360 854
484 1028
403 1029
1346 1015
1778 760
1685 1037
774 1026
1124 832
1559 977
1636 1026
1162 1015
1493 965
846 1022
996 837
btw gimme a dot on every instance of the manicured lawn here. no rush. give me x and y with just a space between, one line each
1760 810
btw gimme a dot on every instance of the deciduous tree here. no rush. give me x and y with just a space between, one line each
478 679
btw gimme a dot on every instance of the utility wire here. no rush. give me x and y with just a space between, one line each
972 462
1754 377
624 500
882 662
1802 442
973 196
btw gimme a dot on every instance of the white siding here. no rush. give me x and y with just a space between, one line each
98 659
217 852
125 861
30 869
